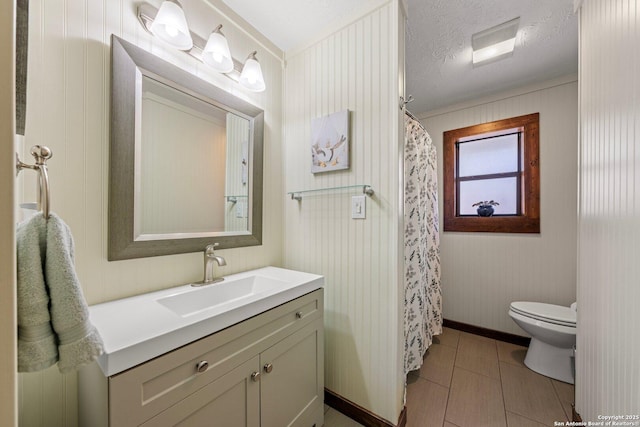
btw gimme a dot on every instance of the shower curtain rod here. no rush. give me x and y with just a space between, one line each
403 106
410 114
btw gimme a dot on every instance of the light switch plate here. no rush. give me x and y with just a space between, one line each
240 208
358 207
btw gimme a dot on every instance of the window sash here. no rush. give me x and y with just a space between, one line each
501 189
517 174
475 147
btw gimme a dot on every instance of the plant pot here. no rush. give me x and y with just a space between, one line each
485 210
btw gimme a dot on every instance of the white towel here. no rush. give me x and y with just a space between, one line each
53 318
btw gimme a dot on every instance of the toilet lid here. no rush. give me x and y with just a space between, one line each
546 312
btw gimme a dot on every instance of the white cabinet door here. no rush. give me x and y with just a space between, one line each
292 384
230 401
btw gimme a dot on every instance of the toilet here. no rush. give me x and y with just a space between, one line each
553 337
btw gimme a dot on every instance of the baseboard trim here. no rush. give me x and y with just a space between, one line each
489 333
402 419
360 414
575 417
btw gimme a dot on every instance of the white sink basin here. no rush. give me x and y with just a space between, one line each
142 327
214 295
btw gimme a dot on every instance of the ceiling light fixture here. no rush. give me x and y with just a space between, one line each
494 43
170 25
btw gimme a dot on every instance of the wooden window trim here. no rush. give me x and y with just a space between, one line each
529 220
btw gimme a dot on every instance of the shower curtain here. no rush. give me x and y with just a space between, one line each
423 298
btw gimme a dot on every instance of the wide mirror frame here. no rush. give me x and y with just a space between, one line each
127 62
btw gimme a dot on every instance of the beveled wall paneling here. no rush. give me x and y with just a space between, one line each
607 368
482 273
68 110
355 69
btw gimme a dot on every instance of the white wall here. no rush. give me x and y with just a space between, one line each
68 110
483 272
608 344
8 367
353 68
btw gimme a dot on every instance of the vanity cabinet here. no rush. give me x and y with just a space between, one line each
266 371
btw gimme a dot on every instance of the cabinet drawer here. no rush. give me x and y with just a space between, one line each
146 390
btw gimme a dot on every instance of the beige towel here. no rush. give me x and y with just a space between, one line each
53 318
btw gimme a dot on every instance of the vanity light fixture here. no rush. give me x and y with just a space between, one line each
494 43
251 76
170 25
216 53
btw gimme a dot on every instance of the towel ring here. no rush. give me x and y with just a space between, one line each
41 154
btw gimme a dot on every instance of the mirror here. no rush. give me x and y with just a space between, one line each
201 164
185 161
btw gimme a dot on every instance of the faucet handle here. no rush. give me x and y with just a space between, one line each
210 248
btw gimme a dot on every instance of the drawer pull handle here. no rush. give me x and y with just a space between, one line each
255 376
202 366
299 315
268 368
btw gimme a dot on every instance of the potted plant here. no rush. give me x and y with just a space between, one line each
485 208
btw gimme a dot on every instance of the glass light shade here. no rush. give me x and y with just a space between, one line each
216 53
251 76
170 26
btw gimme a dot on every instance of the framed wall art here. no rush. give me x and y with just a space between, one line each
330 142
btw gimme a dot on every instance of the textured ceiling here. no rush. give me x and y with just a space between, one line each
438 41
438 48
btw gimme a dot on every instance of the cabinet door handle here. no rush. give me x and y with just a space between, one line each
299 315
255 376
202 366
268 368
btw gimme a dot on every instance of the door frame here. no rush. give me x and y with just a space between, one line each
8 358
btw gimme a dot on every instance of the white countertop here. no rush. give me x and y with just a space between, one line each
139 328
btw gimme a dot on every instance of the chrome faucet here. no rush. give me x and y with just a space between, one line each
209 259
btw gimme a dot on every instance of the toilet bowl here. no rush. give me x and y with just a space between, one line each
553 337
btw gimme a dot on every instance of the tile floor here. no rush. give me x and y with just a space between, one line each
472 381
333 418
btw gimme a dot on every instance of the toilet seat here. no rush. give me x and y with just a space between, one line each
550 313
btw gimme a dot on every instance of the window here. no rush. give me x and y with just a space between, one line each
496 161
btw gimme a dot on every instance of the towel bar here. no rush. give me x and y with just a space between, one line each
41 155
